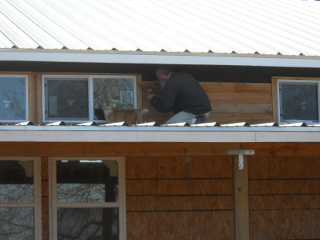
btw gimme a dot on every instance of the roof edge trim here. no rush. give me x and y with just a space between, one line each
160 58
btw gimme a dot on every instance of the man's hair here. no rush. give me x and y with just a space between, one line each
165 70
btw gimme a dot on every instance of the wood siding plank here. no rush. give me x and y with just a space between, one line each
238 102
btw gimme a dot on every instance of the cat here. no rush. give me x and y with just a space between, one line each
129 116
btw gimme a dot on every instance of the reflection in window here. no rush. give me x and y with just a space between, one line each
299 102
67 99
87 182
113 93
13 98
87 98
16 181
88 223
17 189
17 223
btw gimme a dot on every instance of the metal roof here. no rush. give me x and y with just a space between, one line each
287 27
153 132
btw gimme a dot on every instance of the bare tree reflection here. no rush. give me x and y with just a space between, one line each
87 182
16 223
112 93
16 187
13 98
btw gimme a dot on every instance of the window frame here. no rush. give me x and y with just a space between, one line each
277 95
55 204
36 204
89 78
26 76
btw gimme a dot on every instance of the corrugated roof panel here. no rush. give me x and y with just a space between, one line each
15 34
54 24
289 27
4 40
25 23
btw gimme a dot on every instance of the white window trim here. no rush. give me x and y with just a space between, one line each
54 205
36 205
302 81
27 97
90 93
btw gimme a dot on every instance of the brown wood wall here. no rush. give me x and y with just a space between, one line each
284 197
231 102
179 198
186 190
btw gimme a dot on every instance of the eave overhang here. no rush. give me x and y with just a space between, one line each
138 57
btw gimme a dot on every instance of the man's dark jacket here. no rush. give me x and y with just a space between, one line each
182 92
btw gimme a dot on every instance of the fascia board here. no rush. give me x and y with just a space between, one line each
159 58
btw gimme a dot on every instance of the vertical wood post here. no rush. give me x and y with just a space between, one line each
45 198
241 194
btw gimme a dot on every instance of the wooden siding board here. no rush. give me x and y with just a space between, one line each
115 149
284 196
221 87
283 149
285 186
142 225
196 225
195 186
285 224
237 102
281 202
195 202
142 203
265 167
142 187
190 195
196 167
240 117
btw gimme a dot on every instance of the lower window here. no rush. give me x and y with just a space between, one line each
20 198
88 198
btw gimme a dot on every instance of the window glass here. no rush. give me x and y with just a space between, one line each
87 181
113 93
67 99
16 181
13 92
88 223
299 101
88 98
87 202
17 223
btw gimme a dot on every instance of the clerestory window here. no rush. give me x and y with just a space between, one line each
298 100
81 98
13 98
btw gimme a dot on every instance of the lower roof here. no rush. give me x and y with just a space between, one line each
174 133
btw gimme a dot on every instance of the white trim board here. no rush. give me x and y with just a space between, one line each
159 136
159 58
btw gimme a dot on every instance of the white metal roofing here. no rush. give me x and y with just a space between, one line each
151 132
141 27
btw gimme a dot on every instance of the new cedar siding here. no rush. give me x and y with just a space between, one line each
231 102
